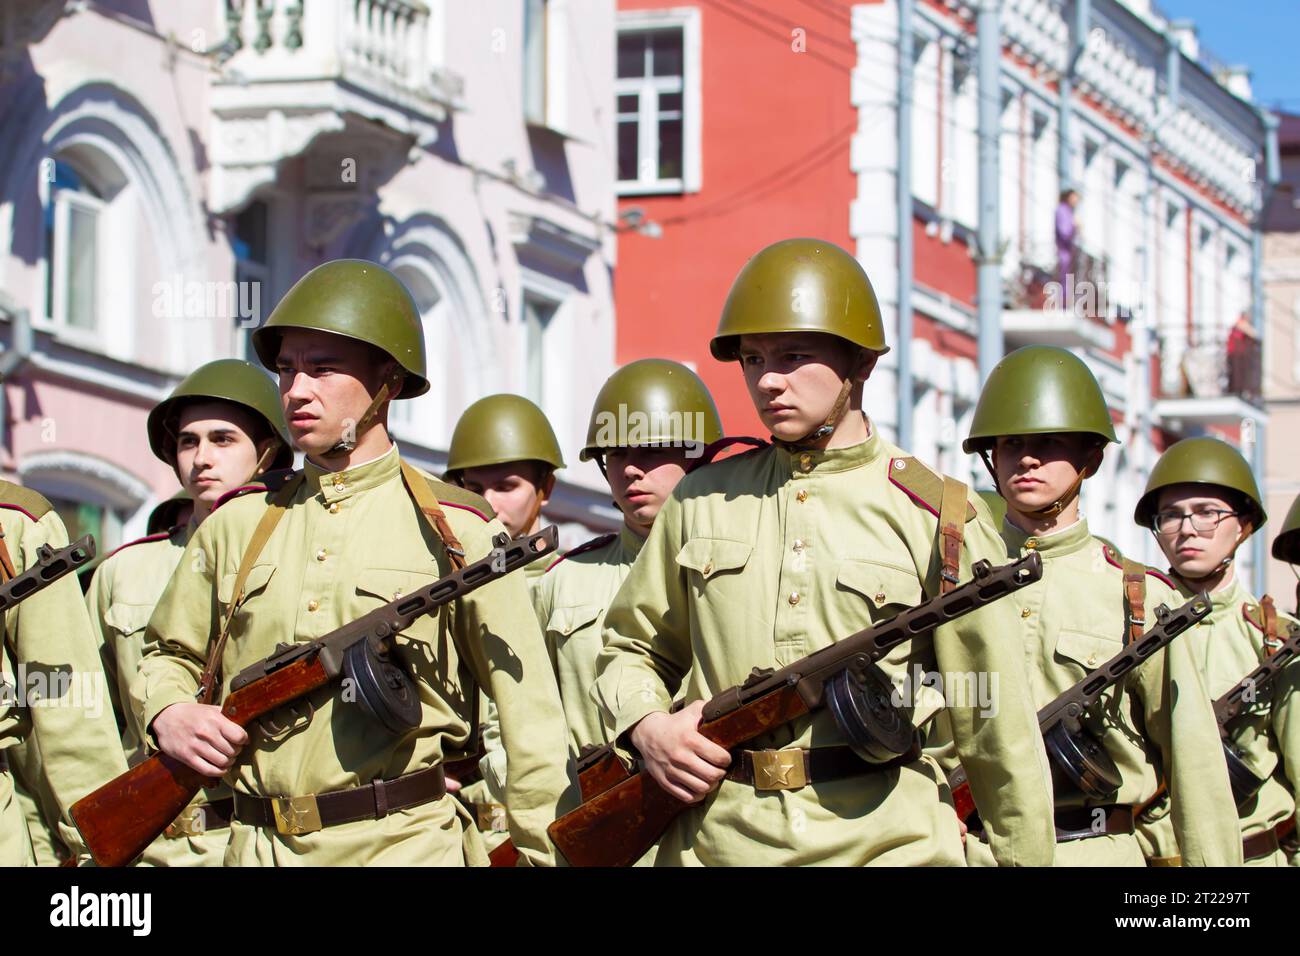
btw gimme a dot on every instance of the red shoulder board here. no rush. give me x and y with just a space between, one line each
711 451
594 544
922 485
1112 556
270 481
159 536
239 493
1162 577
473 511
1253 615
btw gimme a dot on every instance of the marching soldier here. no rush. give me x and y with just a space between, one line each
1202 503
669 420
219 430
1041 427
505 450
324 782
54 693
764 557
1286 547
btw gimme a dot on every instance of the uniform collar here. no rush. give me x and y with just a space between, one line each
337 485
1055 544
1233 595
802 462
630 541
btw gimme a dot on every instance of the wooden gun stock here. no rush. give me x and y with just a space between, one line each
120 819
618 825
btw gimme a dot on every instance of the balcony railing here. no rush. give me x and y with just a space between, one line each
1223 368
383 45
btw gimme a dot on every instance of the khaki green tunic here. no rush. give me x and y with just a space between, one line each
571 603
58 694
122 596
37 802
1226 647
763 558
348 543
1074 620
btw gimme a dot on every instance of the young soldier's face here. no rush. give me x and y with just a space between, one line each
642 479
326 384
794 378
1192 552
1036 470
511 489
214 451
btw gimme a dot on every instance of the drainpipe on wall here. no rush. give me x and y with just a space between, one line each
1065 86
13 358
1272 174
906 391
989 276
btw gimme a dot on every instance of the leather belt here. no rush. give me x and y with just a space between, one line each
374 801
1260 845
4 760
197 820
1080 823
794 767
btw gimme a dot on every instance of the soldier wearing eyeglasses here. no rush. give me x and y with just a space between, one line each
1202 502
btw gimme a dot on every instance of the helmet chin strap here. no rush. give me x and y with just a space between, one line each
827 427
391 388
1057 506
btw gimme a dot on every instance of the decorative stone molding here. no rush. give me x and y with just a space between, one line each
549 245
76 475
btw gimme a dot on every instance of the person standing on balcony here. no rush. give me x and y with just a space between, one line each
1067 233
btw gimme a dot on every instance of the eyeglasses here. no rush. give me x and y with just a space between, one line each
1171 522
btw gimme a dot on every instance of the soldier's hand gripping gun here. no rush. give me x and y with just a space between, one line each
1245 782
625 811
49 567
1078 760
120 819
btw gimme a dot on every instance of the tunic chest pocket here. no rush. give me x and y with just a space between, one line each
1086 649
887 589
388 584
565 621
714 556
127 619
258 578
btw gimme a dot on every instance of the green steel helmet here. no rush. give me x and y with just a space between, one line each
1202 461
1039 390
500 429
652 402
357 299
225 380
1286 546
166 514
800 285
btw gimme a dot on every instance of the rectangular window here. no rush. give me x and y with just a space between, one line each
75 250
251 245
658 97
537 318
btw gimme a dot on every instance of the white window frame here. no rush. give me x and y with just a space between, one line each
687 19
64 201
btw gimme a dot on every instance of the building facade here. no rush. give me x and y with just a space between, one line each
171 169
796 130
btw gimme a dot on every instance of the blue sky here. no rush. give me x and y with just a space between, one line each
1262 34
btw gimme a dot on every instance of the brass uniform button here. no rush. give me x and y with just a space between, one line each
313 604
708 569
794 598
798 544
880 597
320 555
1031 543
805 461
339 484
1024 612
1092 660
801 496
334 507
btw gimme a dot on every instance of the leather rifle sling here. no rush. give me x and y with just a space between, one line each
7 570
425 500
1135 599
211 677
1268 611
952 528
